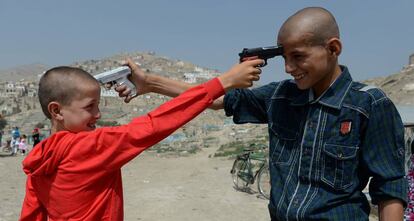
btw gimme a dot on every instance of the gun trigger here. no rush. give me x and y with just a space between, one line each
264 63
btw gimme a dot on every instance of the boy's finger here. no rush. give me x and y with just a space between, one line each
120 88
108 85
125 92
250 58
127 99
132 65
256 62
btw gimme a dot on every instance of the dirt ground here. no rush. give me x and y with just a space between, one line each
160 188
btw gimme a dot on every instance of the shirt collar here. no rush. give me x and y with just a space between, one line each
333 96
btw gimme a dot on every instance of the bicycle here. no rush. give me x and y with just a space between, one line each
243 172
8 149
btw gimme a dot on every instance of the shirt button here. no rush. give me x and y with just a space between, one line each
296 202
303 179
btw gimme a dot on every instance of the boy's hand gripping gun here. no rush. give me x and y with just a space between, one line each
117 76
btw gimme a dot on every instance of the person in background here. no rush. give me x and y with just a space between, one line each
409 211
1 137
23 144
35 136
15 140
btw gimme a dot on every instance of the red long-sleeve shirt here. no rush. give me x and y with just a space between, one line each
77 176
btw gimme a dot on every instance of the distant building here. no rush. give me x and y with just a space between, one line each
108 93
12 90
411 60
32 92
190 78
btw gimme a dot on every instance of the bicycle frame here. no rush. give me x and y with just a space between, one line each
249 176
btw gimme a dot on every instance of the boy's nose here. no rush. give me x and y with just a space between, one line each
98 114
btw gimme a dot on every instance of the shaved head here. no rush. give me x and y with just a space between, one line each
62 84
314 24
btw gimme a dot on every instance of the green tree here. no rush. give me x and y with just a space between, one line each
40 125
107 123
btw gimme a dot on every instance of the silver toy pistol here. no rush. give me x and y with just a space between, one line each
117 76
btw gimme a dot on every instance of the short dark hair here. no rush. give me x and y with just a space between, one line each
315 20
59 84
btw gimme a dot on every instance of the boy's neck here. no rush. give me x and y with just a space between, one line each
56 127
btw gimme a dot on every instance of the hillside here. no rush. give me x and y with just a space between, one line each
148 60
195 135
28 72
399 86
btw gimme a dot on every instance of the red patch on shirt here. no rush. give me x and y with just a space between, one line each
346 127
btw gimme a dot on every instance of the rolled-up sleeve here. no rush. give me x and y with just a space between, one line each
249 106
384 152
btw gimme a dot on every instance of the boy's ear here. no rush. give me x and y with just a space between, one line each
334 46
54 110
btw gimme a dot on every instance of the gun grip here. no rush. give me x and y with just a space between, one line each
129 84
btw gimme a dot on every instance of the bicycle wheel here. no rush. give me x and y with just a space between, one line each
7 150
238 174
263 181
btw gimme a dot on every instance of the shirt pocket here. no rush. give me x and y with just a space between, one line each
282 143
339 165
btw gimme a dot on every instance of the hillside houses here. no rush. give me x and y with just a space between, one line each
17 96
200 75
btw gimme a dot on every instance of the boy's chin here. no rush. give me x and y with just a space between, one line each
302 86
86 128
91 127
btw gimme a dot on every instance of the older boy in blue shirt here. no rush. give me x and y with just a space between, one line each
328 134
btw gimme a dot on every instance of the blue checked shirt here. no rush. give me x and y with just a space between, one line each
323 151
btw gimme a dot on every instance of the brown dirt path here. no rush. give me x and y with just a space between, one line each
159 188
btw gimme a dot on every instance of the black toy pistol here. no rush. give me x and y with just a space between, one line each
262 53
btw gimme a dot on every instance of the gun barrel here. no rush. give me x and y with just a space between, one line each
262 52
112 75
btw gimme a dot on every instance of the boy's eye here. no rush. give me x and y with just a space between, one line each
90 106
298 56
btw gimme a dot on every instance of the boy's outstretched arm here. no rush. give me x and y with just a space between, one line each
115 146
157 84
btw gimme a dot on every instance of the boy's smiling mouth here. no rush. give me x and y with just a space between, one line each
91 125
298 76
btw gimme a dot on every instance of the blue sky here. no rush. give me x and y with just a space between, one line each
377 35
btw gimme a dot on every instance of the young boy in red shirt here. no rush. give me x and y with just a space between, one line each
75 174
